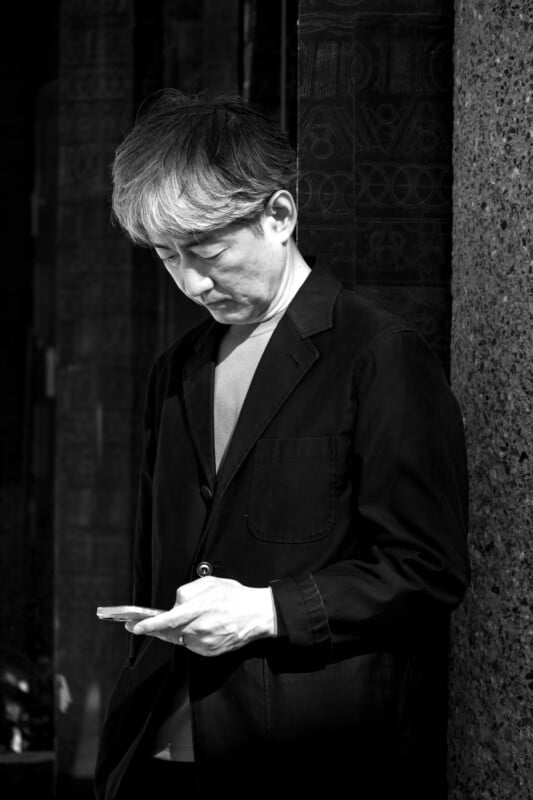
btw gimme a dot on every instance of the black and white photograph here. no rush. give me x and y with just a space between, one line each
266 489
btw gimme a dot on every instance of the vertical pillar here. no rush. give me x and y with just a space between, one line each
492 353
95 362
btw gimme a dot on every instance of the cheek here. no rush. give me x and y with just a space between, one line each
254 282
239 283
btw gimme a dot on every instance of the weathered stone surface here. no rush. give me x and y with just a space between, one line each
491 726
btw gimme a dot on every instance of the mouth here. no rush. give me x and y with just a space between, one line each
217 303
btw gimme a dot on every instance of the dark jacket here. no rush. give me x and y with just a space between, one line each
344 488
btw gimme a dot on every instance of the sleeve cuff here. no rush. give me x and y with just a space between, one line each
301 614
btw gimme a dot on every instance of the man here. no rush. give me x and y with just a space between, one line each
303 504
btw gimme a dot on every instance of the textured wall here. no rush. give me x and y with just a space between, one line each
491 729
95 401
374 144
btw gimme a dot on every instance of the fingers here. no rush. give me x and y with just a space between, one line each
210 611
176 617
174 620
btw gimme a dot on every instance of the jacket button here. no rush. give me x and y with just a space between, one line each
204 568
206 493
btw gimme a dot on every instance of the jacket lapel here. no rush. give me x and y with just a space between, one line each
286 360
283 365
198 385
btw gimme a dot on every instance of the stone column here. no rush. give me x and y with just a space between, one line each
491 725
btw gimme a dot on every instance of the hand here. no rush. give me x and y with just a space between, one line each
212 616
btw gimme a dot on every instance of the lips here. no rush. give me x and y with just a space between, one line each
216 303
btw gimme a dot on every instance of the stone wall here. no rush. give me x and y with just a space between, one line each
95 419
28 67
374 145
491 726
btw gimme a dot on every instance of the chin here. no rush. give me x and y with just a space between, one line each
233 317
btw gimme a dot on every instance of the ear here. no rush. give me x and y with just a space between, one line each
281 214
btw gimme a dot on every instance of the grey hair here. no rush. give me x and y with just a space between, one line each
189 167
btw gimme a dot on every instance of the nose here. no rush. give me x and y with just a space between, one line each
195 282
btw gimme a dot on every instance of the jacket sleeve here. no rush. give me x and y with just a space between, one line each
410 510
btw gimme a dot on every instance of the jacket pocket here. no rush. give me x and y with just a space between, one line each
292 490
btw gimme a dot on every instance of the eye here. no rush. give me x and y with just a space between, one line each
212 258
172 261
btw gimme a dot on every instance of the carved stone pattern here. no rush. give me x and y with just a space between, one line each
375 8
375 146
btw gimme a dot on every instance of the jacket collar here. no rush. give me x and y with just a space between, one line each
311 310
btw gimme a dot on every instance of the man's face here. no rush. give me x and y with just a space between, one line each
236 272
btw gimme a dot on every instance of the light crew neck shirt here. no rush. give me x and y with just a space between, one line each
239 354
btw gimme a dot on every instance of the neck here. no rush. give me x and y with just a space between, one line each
295 273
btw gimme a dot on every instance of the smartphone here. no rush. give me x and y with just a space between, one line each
125 613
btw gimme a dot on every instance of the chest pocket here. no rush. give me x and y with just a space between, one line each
292 490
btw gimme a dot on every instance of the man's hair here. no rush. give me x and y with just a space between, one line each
189 167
